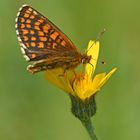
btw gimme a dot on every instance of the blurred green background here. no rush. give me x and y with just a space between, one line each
33 109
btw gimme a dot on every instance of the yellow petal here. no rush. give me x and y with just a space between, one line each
82 87
105 79
53 76
97 79
93 50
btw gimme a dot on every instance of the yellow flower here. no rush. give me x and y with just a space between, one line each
81 85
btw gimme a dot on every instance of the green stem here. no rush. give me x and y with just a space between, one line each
88 125
84 110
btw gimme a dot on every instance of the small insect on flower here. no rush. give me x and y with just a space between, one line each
44 44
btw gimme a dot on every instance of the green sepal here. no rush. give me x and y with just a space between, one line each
83 110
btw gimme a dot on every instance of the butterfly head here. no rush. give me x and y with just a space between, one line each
85 59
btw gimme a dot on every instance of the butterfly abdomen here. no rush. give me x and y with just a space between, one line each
64 61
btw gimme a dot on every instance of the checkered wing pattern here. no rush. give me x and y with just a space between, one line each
39 37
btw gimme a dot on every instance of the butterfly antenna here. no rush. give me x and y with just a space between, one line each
100 34
103 62
93 59
97 38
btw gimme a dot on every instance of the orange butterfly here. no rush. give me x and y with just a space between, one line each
42 43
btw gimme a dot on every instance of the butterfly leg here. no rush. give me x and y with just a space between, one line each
34 69
63 74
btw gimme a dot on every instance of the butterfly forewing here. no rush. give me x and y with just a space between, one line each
40 38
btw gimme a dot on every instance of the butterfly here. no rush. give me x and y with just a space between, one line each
45 45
